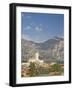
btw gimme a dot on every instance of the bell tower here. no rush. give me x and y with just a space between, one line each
37 56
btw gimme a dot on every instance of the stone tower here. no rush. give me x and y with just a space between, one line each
37 56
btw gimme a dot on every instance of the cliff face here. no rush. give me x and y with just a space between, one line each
50 50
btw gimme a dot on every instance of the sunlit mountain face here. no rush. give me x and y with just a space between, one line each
49 51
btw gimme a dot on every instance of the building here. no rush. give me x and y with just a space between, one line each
36 59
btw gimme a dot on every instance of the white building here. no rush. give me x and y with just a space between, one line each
36 59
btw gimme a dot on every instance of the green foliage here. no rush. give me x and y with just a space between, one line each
33 69
57 68
37 70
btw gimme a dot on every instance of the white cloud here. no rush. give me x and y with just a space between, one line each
40 25
32 24
27 27
35 27
38 28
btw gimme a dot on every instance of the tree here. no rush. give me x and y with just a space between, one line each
33 69
57 68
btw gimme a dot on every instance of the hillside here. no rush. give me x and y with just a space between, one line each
50 50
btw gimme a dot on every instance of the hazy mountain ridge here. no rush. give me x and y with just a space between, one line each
49 50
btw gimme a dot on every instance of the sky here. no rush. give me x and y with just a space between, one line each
39 27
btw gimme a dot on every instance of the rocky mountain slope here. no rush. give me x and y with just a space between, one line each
50 50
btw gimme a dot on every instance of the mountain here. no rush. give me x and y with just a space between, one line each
50 50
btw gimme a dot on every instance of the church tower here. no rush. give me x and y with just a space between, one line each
37 56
